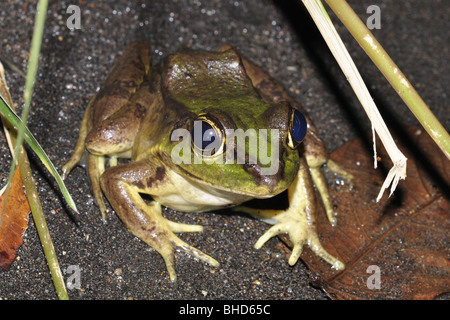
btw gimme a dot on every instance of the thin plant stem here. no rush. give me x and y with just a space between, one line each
35 49
392 73
343 58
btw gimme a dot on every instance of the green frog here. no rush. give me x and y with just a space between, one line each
203 131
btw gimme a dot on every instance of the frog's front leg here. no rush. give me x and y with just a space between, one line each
298 221
122 185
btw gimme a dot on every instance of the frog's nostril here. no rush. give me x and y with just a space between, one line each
266 175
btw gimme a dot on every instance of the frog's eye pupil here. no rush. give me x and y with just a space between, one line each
208 135
299 126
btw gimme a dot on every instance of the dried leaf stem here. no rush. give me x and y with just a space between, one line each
343 58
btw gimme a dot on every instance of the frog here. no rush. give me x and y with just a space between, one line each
164 130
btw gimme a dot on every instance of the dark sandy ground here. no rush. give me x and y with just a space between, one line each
276 34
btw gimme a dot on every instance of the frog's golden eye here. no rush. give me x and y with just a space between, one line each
297 129
207 138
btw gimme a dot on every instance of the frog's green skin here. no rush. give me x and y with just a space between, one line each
133 116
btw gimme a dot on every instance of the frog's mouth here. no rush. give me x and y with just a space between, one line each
253 185
236 194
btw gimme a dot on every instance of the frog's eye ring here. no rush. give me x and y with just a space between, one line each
207 138
297 129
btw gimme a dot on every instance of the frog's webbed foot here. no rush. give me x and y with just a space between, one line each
300 228
298 221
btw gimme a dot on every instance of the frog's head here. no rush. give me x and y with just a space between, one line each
225 135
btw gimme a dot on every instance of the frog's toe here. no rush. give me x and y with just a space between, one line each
177 227
166 248
296 232
182 227
267 215
313 242
169 258
300 233
334 167
317 248
272 232
296 253
195 252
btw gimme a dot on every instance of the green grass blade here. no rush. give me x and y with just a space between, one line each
36 42
14 119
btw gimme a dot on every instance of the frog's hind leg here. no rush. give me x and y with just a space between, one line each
123 185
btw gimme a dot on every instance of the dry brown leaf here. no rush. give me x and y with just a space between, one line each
405 237
14 221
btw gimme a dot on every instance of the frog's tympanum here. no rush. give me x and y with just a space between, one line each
204 131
